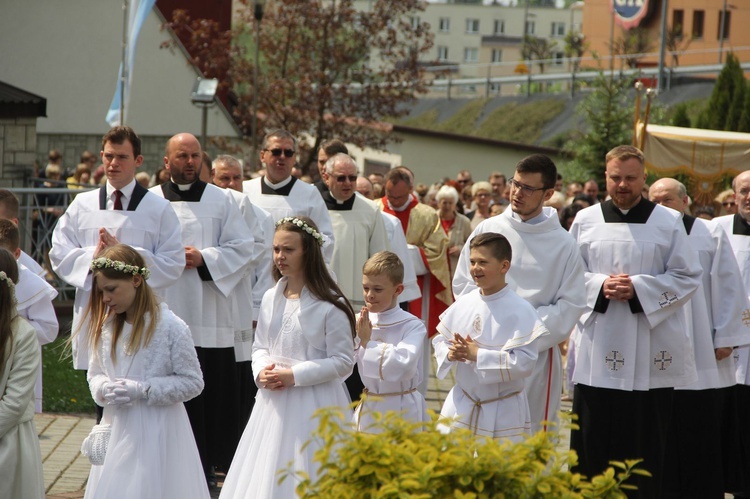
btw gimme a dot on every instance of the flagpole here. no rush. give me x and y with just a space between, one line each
124 76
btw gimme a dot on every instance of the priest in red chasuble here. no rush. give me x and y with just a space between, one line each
422 229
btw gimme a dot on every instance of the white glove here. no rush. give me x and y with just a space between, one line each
126 391
106 391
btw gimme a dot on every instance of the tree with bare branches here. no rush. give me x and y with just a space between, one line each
632 45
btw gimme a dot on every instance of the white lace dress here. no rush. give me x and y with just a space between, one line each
321 355
152 452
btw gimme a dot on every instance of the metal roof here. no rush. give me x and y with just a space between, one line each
17 103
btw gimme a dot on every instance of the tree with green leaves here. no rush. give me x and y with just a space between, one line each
326 69
608 117
729 91
680 116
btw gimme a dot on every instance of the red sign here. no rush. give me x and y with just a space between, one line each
630 13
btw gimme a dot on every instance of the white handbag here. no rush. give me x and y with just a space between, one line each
95 445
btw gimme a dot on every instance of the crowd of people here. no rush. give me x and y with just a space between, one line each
215 314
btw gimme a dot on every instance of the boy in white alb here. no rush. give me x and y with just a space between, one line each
489 334
391 341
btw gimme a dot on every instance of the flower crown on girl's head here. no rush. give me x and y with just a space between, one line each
4 277
320 238
106 263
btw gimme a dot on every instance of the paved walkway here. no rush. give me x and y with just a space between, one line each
66 470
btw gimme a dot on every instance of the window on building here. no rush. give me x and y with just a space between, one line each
442 53
727 23
497 55
472 25
559 58
445 24
698 18
499 27
471 54
530 27
678 20
414 21
558 29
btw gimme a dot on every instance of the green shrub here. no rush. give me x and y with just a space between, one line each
404 462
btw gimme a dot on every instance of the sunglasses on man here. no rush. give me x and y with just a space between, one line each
288 153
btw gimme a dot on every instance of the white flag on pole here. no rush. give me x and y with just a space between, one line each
137 13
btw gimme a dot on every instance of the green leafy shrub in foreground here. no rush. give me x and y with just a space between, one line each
404 462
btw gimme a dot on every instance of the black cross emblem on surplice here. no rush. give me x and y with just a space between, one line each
664 359
612 359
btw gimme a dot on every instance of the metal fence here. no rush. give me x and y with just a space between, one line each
39 210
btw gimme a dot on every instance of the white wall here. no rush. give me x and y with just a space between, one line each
69 52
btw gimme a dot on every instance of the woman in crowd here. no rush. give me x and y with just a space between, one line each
456 226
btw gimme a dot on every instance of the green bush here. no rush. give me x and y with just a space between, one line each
403 461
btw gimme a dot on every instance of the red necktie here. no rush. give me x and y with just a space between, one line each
118 203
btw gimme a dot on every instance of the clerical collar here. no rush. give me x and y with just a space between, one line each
401 208
531 221
174 192
184 187
283 188
688 222
638 214
336 205
279 185
740 226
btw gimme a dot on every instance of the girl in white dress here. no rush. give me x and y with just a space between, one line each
20 455
303 351
142 367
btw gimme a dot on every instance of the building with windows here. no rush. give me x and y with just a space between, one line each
487 40
694 30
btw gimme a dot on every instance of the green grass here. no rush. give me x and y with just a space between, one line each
425 120
520 122
464 122
512 122
65 388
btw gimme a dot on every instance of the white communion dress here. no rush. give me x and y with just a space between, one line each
320 354
152 453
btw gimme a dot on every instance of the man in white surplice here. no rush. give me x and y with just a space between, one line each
359 233
283 195
226 173
737 227
715 314
358 228
634 345
546 271
217 245
121 211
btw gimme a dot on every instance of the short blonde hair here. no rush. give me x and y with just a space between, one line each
385 263
624 153
480 186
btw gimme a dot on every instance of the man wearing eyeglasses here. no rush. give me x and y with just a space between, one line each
359 231
546 270
737 227
357 226
283 195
